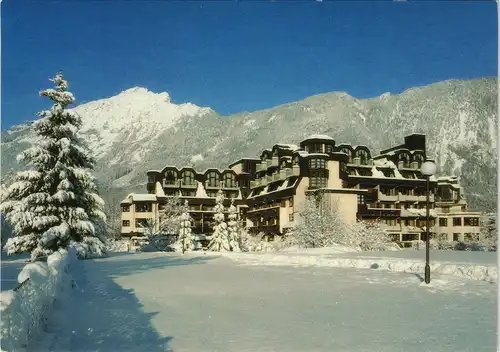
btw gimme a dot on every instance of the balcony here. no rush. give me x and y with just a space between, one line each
170 183
262 166
191 185
387 198
211 186
274 162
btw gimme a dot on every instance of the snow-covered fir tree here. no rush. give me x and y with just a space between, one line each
233 228
170 217
54 203
219 241
186 239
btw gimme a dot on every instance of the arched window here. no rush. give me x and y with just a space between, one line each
349 154
403 157
229 180
363 157
170 177
188 177
213 179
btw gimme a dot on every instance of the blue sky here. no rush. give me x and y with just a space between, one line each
239 56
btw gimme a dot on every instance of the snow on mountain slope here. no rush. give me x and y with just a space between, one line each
135 115
138 130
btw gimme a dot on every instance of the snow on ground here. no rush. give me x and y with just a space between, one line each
470 265
196 302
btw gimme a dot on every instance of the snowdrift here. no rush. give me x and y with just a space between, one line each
473 271
25 309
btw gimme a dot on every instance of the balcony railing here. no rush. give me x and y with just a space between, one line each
262 166
387 197
170 183
274 162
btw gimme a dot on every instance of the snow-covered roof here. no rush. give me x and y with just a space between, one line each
288 146
152 171
127 199
143 197
317 154
303 153
319 136
448 178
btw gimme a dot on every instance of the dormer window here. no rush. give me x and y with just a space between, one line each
363 157
229 181
151 178
349 154
403 158
170 177
317 163
419 159
328 148
213 179
188 177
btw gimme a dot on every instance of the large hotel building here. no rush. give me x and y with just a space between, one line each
270 190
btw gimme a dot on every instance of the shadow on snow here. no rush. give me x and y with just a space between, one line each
100 315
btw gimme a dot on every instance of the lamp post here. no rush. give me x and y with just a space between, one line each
427 169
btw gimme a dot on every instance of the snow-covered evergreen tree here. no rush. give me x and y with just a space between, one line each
55 203
219 241
186 239
170 217
233 228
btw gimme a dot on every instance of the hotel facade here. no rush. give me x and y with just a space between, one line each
270 190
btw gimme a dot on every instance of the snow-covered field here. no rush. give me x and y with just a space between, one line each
471 265
156 301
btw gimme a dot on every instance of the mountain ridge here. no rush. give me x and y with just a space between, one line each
137 130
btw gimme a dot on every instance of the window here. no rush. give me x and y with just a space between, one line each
295 161
410 237
151 178
328 148
142 222
125 208
143 207
170 178
419 159
245 183
363 156
456 237
318 179
316 148
212 194
229 180
361 199
457 221
213 179
364 172
126 223
290 202
443 222
471 221
403 157
290 217
348 152
317 163
188 177
188 193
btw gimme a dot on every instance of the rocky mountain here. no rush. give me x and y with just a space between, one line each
139 130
